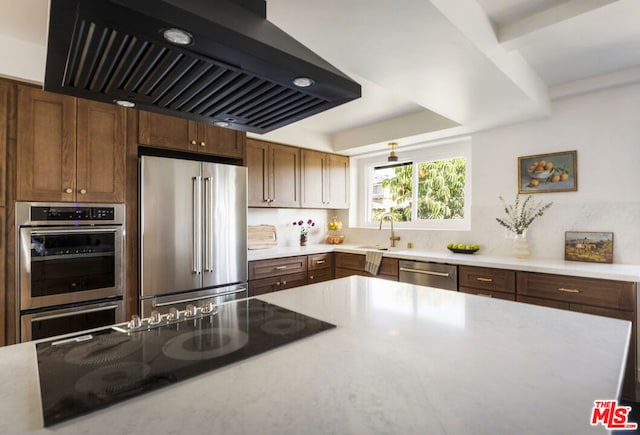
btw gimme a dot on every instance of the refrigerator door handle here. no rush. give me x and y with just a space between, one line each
208 216
197 224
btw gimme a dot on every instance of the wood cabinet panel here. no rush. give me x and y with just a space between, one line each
100 152
3 277
276 283
338 181
324 180
277 267
313 181
46 157
319 275
183 135
320 261
6 91
488 293
356 262
486 278
273 174
543 302
588 291
166 131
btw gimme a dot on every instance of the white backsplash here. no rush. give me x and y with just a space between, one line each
282 218
545 236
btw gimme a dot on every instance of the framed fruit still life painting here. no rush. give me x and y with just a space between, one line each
588 246
555 172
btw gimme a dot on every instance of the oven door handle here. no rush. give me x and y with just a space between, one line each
67 313
182 301
74 231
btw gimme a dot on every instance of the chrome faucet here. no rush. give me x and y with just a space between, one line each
393 238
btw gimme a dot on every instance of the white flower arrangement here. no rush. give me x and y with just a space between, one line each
521 215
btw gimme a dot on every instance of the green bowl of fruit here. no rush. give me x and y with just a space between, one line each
459 248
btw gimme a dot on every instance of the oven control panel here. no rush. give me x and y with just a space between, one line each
72 213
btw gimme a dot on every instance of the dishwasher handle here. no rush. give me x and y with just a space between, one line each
425 272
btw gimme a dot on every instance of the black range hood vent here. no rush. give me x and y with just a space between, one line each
239 70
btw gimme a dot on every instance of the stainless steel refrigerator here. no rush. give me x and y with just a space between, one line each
193 233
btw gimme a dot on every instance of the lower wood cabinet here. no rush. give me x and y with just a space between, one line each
275 274
487 282
616 299
319 267
353 264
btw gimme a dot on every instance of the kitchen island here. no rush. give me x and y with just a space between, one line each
402 359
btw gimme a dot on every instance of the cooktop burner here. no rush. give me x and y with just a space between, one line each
96 370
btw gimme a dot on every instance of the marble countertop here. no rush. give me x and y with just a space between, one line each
402 359
619 272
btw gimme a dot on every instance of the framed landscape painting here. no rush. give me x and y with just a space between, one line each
588 246
555 172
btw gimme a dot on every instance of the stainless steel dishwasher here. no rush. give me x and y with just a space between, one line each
437 275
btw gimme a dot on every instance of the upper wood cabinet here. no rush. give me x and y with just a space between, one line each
6 90
69 149
184 135
325 180
274 174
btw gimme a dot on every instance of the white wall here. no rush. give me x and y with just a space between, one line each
604 128
282 218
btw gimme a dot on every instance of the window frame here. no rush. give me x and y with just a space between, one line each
419 154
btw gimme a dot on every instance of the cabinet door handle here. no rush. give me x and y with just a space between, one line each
278 283
568 290
320 261
484 295
484 279
284 282
310 276
193 142
83 191
68 190
202 144
280 267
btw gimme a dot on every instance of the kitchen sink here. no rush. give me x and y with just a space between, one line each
380 248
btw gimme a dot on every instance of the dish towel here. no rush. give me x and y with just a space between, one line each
372 262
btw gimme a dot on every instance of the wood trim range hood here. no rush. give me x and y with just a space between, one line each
235 69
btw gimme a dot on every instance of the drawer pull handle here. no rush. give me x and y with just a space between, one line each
484 279
425 272
320 262
284 282
569 290
310 276
281 267
484 295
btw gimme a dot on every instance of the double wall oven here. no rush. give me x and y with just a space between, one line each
70 267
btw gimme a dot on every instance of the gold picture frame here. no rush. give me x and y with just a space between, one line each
593 247
552 172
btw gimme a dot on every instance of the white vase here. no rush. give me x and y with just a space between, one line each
521 246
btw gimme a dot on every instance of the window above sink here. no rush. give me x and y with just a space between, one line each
436 178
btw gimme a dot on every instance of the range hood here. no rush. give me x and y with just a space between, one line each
234 68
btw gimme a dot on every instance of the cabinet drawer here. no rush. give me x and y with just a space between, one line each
277 267
488 293
320 261
574 290
486 278
356 262
341 273
276 283
319 275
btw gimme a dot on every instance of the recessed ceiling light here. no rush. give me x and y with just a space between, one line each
125 103
221 124
177 36
303 82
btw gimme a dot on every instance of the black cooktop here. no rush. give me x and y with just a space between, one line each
110 365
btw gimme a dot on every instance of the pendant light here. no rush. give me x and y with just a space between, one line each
392 156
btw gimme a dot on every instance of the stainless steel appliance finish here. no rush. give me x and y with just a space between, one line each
442 276
233 67
68 255
180 301
193 228
60 321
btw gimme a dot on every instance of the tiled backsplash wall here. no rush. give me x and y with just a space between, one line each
282 218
